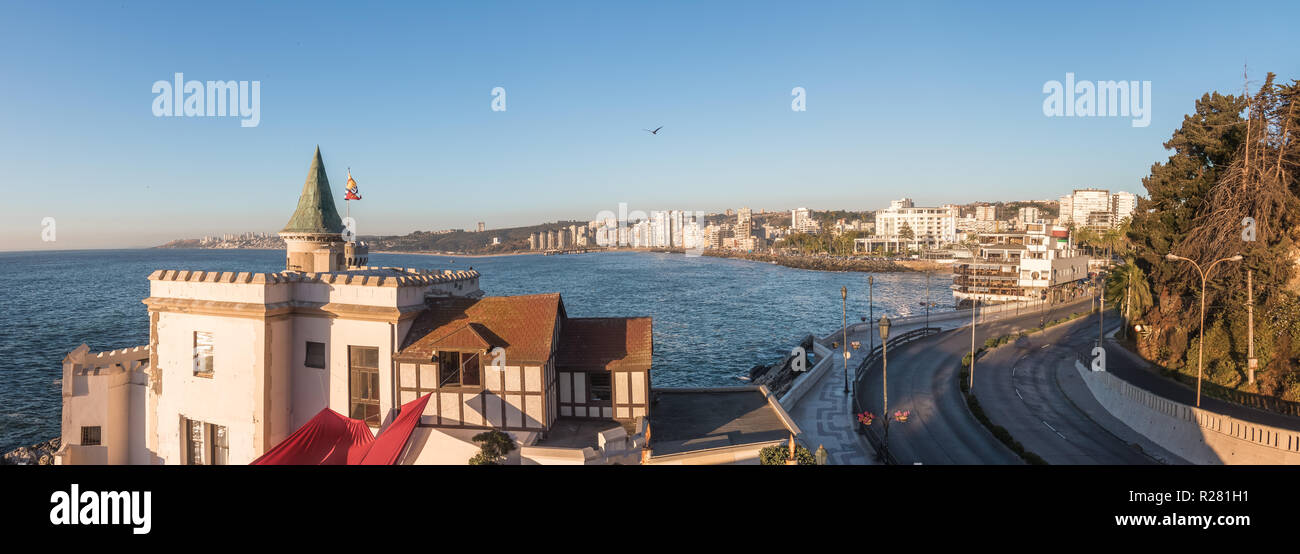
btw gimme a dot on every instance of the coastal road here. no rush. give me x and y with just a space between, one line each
923 379
1019 387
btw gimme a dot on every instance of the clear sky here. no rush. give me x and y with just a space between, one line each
941 102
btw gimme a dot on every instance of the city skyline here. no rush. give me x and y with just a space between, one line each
419 131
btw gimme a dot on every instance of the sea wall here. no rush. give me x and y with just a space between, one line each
1197 435
826 359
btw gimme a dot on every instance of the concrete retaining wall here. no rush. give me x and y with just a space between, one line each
1197 435
954 319
827 359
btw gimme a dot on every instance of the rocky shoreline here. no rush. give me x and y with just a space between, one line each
816 263
39 454
779 376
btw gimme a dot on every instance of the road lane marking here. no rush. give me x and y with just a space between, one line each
1058 433
1018 394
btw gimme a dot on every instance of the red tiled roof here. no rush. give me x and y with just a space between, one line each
523 325
466 338
610 343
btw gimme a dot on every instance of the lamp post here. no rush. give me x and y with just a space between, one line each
974 304
884 371
1200 355
927 299
1251 361
1101 309
844 303
871 312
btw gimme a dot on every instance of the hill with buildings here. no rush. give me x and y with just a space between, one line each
460 241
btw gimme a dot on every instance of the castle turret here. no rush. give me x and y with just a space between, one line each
314 235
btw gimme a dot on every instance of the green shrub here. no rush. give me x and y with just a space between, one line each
494 447
778 455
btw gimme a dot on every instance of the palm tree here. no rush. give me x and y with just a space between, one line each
1085 235
1127 288
1111 238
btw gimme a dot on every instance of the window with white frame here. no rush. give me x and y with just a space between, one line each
203 352
205 443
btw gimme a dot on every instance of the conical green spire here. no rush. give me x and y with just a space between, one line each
316 212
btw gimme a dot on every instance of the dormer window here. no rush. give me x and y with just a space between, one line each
459 369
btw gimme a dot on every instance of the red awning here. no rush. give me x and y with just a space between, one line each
328 439
332 439
388 446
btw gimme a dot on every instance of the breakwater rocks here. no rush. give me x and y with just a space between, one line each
817 263
779 376
41 453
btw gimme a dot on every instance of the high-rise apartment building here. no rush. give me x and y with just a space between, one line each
931 226
801 221
1123 206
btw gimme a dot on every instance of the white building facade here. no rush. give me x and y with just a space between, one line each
931 227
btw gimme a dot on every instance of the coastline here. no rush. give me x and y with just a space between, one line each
808 263
812 263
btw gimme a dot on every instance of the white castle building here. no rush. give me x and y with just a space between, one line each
238 361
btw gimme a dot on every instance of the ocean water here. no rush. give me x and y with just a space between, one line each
714 318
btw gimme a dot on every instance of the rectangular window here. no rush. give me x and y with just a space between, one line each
363 370
448 368
203 352
599 390
220 445
193 442
90 436
315 355
459 368
469 369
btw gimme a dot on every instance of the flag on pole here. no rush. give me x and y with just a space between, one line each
352 188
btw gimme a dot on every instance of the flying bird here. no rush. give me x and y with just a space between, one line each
654 132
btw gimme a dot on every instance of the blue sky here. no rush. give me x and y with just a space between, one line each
941 102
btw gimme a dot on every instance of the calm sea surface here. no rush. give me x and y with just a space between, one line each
713 318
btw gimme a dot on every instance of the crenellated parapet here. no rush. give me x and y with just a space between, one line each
82 361
363 276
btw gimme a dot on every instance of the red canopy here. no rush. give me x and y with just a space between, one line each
388 446
328 439
332 439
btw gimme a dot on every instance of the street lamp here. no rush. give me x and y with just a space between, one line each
927 299
844 303
1200 355
975 301
871 311
884 371
1101 308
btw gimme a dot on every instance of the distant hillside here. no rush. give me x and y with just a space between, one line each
513 239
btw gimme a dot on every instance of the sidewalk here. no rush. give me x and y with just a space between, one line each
823 414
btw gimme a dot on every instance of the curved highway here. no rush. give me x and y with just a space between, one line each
1020 389
923 379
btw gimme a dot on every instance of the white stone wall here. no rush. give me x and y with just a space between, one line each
230 398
